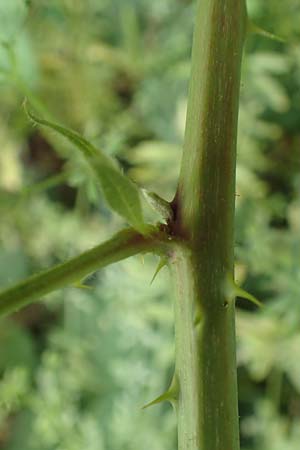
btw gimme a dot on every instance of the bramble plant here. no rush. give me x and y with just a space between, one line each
195 235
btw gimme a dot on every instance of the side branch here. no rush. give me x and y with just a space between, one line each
124 244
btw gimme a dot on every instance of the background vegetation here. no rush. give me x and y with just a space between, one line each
76 369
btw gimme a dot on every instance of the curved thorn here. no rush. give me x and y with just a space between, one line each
247 296
161 264
171 395
252 28
161 398
80 285
232 290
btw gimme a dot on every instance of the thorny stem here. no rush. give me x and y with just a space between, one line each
204 208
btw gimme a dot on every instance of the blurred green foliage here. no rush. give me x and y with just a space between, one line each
76 370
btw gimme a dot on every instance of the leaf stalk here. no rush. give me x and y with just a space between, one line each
124 244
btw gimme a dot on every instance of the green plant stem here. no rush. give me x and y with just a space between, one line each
187 367
204 208
124 244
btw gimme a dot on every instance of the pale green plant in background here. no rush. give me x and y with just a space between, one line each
250 187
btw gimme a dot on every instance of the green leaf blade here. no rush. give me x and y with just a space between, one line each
121 194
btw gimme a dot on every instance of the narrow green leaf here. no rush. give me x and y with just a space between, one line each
122 195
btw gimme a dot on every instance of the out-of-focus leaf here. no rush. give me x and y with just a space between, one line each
12 15
14 264
14 386
17 346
